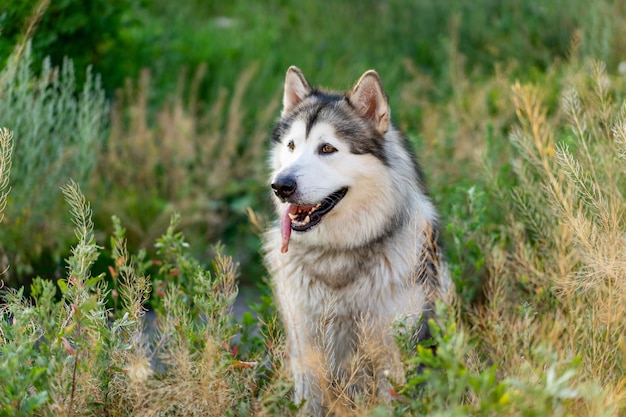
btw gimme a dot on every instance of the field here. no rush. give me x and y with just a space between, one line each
133 178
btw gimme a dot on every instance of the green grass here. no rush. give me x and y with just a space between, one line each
518 124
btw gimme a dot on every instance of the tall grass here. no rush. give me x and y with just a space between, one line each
192 158
568 216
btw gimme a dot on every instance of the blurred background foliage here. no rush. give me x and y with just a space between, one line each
516 109
193 87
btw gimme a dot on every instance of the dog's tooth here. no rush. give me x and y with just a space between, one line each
307 219
292 216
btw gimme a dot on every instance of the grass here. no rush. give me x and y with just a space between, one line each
525 162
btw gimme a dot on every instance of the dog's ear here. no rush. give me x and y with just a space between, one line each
369 99
297 88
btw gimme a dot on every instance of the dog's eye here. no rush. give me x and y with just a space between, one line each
291 145
327 148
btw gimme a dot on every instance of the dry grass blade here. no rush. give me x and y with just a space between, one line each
6 151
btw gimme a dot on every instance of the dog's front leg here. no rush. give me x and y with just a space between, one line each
305 366
307 392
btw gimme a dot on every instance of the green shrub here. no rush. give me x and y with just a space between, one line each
53 351
82 355
58 131
455 382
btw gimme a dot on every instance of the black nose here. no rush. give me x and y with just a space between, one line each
284 187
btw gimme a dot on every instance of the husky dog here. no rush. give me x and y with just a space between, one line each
356 249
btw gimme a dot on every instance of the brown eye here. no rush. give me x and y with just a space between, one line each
291 145
328 149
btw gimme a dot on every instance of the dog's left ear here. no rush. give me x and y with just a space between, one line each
368 98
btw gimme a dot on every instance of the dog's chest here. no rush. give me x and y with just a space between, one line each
353 284
338 269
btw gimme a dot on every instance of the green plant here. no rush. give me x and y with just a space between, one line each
467 257
58 131
26 365
60 342
454 381
77 356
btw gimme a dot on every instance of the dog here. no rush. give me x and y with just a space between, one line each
356 248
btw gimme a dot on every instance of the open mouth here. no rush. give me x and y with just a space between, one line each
303 218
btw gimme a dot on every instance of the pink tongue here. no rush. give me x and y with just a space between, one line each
285 227
285 224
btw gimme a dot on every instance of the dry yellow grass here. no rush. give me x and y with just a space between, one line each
565 266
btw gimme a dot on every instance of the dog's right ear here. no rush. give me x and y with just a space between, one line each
297 88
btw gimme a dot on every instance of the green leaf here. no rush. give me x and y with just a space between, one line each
62 286
91 282
90 304
34 402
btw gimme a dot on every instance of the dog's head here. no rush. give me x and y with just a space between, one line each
329 158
